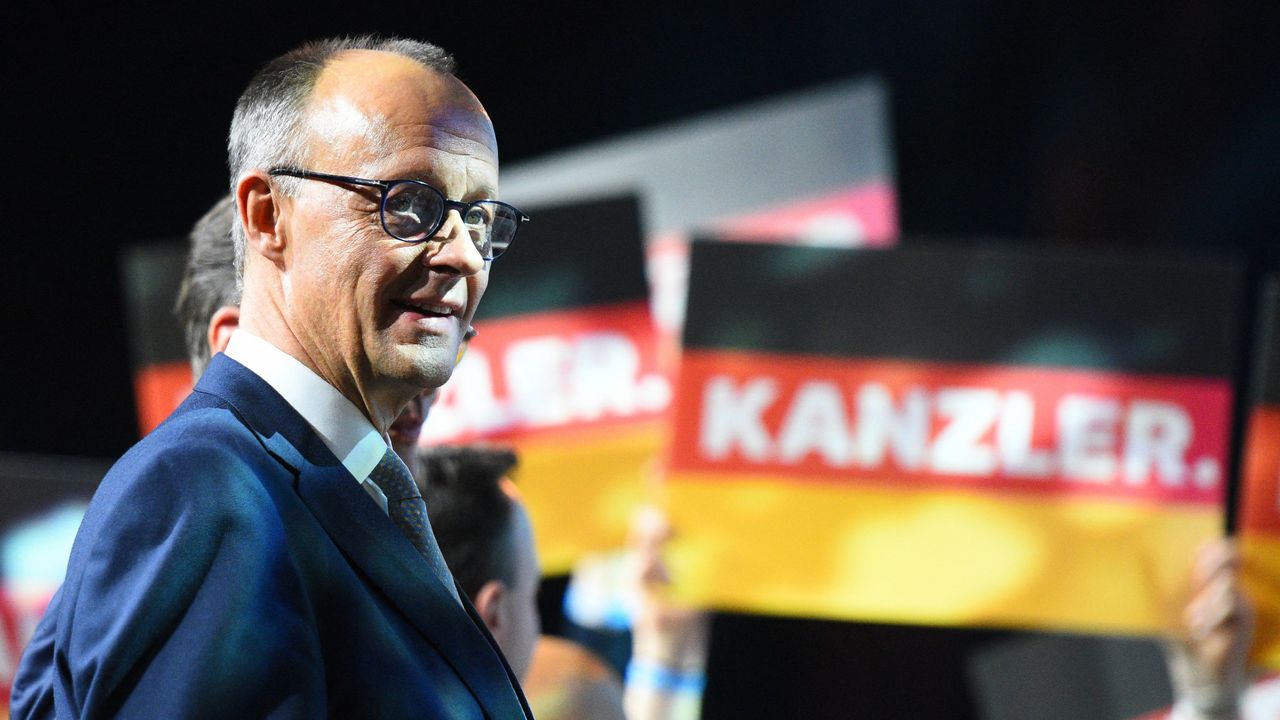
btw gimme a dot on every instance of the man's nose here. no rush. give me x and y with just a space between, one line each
456 247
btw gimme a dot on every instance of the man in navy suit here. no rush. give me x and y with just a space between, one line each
256 555
208 309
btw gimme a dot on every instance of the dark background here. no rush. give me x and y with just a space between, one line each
1104 123
1064 124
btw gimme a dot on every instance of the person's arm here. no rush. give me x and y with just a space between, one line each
667 672
1207 660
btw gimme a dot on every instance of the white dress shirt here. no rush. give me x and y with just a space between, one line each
343 428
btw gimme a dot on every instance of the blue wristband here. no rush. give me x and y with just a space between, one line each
649 674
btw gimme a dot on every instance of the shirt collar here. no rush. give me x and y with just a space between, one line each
341 426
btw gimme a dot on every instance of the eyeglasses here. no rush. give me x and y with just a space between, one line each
414 212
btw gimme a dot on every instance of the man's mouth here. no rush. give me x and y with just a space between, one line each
406 427
425 309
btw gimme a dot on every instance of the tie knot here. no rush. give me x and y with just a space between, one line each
407 510
393 478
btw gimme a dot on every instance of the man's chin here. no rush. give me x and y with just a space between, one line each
426 368
406 450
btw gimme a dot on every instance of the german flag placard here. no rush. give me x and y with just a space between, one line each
565 369
950 436
1259 507
151 275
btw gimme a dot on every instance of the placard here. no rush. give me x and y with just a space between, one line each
565 369
1259 501
951 436
151 275
44 498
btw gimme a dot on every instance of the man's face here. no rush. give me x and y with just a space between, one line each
372 312
519 632
407 428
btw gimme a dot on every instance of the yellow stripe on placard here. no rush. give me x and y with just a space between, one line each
784 545
581 486
1260 554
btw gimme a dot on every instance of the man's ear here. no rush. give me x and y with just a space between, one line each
225 320
259 207
488 602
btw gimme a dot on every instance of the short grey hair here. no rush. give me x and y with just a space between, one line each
267 127
208 280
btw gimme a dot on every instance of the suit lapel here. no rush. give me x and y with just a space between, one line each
372 543
512 680
368 538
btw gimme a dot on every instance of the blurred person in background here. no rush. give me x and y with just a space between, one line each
208 304
487 540
1207 657
666 673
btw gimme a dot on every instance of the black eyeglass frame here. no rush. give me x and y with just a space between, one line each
385 186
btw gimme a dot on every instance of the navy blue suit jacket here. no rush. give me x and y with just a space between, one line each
229 566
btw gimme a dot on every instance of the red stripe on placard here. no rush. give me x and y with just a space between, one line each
158 390
1260 494
11 644
570 369
927 424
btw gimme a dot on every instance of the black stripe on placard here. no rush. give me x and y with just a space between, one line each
1265 384
570 256
1159 313
151 276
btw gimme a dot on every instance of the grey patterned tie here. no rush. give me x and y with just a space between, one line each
409 512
